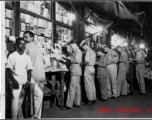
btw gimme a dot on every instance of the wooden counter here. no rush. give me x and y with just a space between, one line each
55 72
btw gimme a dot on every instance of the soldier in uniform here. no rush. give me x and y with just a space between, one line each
74 92
111 56
102 73
122 66
89 73
140 68
130 70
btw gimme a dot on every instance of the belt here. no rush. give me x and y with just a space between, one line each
75 64
140 63
111 63
89 65
122 63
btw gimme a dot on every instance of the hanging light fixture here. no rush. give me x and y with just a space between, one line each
100 28
125 44
71 16
142 46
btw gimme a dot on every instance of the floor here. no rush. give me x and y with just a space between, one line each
142 103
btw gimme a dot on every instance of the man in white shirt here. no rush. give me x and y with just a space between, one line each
38 73
19 68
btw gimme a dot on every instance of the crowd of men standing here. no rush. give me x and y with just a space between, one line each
26 66
115 71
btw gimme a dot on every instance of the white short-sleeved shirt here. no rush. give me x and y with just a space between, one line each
38 73
19 64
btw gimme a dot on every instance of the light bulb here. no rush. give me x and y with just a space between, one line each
71 16
125 44
142 46
100 28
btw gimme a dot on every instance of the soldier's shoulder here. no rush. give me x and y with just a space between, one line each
79 51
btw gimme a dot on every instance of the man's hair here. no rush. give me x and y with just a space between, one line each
73 42
85 43
19 39
30 33
119 47
99 49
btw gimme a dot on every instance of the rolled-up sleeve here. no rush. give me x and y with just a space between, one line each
29 64
102 63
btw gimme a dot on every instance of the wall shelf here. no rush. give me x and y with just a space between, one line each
34 15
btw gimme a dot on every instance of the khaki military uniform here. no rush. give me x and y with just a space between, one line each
74 92
112 73
89 74
121 78
140 69
102 76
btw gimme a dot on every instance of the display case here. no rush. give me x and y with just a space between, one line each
35 17
62 15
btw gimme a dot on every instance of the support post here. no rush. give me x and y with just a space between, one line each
53 17
78 25
16 19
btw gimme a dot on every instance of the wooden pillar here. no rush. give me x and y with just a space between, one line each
62 90
82 24
76 28
108 40
78 24
16 19
53 18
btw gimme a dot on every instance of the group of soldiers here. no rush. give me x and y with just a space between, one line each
113 65
25 66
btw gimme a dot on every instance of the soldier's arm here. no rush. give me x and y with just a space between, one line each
77 59
114 58
102 64
124 58
10 66
87 57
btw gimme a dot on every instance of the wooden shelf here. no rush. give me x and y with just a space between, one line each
20 10
40 27
7 6
34 15
23 22
58 13
7 28
22 30
90 23
8 18
64 25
